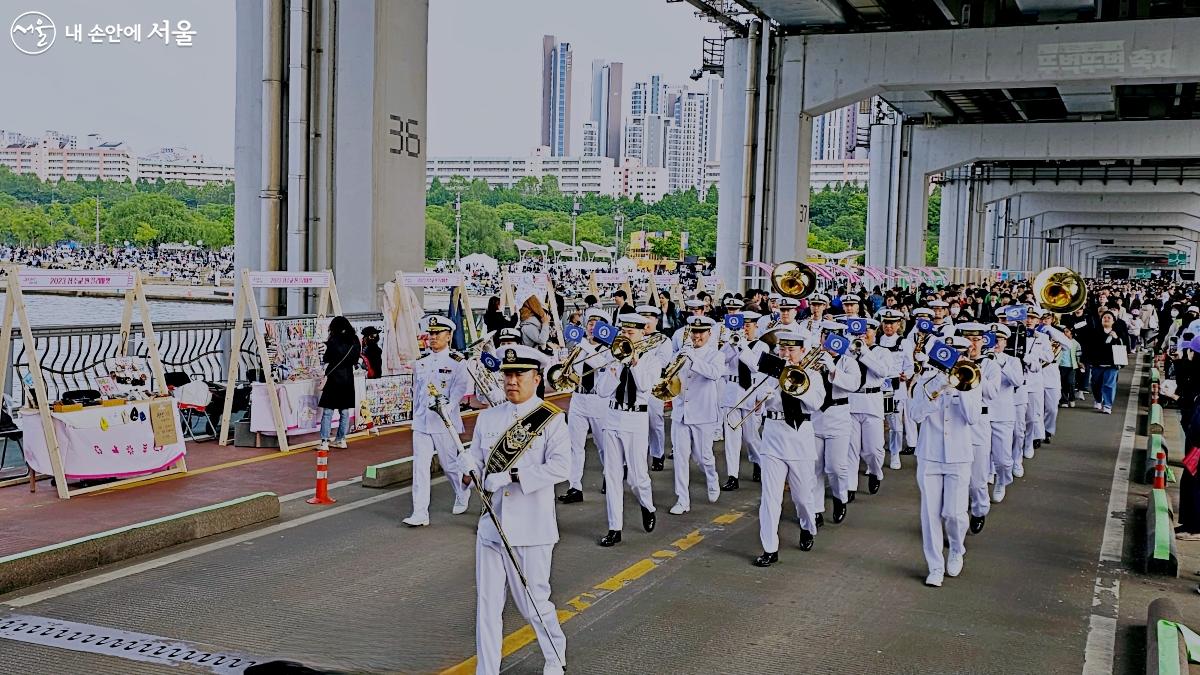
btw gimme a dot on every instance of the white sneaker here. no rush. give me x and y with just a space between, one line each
461 507
412 521
954 565
1097 406
713 495
998 494
323 445
552 669
1029 453
1062 405
895 463
1018 470
934 579
678 509
1071 404
1107 410
341 444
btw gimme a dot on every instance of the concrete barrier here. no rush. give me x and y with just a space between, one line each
1161 556
395 472
1154 445
78 555
1166 653
1155 423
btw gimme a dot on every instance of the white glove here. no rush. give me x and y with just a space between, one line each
496 481
920 357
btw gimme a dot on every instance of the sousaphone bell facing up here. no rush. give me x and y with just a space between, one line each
793 279
1061 290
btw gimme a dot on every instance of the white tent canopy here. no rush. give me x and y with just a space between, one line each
523 247
483 260
626 264
844 256
598 251
563 250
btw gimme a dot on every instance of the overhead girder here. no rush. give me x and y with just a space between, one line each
1036 204
994 191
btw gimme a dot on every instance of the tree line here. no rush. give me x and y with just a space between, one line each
34 212
539 212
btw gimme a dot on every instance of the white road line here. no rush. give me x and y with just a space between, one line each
32 598
1099 652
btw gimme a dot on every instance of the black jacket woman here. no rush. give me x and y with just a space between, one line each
342 353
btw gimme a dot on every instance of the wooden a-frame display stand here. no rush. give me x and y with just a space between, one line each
128 280
248 304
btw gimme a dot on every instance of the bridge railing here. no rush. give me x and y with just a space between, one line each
73 357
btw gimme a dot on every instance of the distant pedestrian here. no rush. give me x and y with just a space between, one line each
342 352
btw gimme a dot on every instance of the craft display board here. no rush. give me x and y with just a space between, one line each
129 281
246 307
385 402
296 347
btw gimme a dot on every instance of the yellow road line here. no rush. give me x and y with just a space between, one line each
524 636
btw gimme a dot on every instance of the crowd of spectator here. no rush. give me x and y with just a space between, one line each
178 264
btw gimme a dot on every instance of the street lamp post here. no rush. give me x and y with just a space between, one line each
574 216
457 227
618 234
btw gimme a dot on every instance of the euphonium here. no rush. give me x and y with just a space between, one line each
562 376
793 279
670 386
964 375
1060 290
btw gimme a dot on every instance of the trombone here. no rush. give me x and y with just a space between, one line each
964 375
671 385
561 376
793 381
623 350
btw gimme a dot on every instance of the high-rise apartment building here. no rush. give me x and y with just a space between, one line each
591 139
687 142
556 96
639 99
607 82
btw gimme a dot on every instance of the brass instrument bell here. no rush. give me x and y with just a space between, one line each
1060 290
793 279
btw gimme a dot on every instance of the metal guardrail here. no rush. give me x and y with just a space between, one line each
984 173
72 357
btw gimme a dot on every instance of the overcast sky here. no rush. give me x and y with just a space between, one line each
484 69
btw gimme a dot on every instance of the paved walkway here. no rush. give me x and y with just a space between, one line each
348 588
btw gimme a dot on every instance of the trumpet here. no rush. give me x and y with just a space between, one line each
964 375
562 377
858 346
670 385
623 350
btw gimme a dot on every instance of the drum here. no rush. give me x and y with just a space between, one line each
889 403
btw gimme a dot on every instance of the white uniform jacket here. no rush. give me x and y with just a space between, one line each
645 374
448 372
525 508
700 400
945 422
876 365
1051 377
585 402
1001 408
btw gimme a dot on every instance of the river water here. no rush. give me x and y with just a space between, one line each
62 310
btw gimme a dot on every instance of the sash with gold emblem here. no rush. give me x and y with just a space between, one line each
519 436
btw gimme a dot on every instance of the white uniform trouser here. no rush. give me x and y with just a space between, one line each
799 474
424 445
943 502
1035 419
752 437
657 431
833 454
733 438
623 448
1050 399
1020 431
693 441
866 444
910 425
895 428
1002 454
493 572
577 426
981 469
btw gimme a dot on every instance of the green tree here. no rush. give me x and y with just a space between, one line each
666 247
437 193
439 239
933 226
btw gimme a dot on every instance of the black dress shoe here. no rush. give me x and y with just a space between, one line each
872 485
820 520
1037 443
766 559
839 510
656 463
611 539
976 524
625 475
731 484
648 519
1047 439
603 486
850 496
572 496
908 450
756 476
806 540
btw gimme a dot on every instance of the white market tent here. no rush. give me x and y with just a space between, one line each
626 265
483 260
597 251
524 247
563 250
844 257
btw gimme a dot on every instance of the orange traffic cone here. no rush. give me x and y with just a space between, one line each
322 496
1160 472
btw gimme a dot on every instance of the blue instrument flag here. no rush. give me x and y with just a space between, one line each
856 326
943 355
838 344
604 332
989 339
924 325
573 333
490 362
734 321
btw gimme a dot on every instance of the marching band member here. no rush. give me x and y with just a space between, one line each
1051 377
866 410
1002 411
941 317
817 304
788 451
507 337
850 305
658 445
944 459
488 388
831 425
738 380
914 361
527 439
447 372
695 307
1038 347
694 412
770 318
894 389
751 429
786 320
588 410
1018 347
626 387
981 431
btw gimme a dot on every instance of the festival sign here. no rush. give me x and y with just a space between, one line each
32 279
432 279
611 277
666 280
290 279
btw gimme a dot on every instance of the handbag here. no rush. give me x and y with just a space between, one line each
1120 355
325 377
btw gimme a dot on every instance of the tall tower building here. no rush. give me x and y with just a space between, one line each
606 106
639 99
556 96
687 142
591 139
